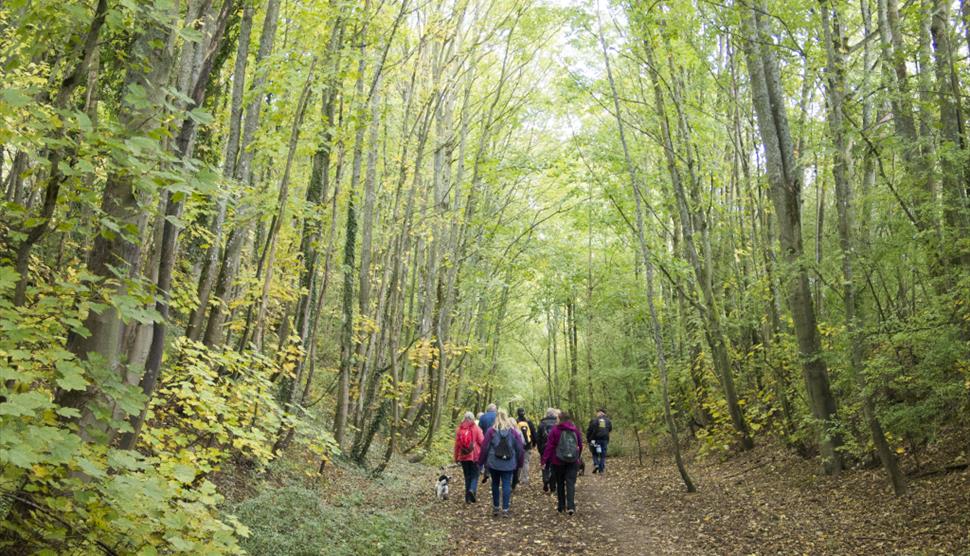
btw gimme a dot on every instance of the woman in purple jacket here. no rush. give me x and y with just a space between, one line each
502 453
563 450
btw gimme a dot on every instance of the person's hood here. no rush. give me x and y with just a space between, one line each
568 425
467 425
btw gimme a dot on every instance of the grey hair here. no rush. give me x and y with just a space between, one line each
491 407
552 412
469 416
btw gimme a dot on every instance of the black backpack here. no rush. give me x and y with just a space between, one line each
567 451
503 450
543 432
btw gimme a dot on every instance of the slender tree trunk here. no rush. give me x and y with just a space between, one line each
711 316
210 266
854 315
953 134
347 327
55 156
658 339
282 200
111 253
785 179
237 238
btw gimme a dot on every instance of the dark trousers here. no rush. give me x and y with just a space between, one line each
501 480
565 478
470 470
599 458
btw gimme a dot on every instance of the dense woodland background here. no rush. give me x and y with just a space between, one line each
237 233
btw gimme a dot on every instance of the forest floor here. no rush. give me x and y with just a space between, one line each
767 501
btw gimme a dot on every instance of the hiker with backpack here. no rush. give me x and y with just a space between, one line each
468 446
563 450
503 452
542 436
598 434
528 432
485 422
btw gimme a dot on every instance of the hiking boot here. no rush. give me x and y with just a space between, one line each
471 497
495 511
570 512
505 513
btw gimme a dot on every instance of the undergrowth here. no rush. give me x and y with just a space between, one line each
361 516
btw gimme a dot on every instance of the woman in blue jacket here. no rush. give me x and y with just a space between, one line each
502 453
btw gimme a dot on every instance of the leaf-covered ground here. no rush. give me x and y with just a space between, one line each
764 502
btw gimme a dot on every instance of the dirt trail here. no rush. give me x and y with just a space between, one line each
764 502
601 525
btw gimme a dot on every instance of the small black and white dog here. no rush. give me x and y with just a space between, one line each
441 487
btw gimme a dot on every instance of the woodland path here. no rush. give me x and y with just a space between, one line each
765 502
601 525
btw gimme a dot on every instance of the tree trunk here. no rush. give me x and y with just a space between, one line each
711 314
210 268
117 252
785 179
168 250
658 339
347 327
55 156
282 200
953 134
854 316
230 264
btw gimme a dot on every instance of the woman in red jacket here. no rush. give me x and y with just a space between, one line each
468 446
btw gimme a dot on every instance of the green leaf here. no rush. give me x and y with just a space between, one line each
124 459
201 116
15 98
190 34
90 468
69 412
180 544
72 375
21 455
24 404
8 277
183 473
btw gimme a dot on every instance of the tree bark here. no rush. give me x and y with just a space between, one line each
854 315
711 314
230 265
118 252
785 179
210 268
658 339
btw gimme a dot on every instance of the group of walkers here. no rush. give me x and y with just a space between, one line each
495 446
